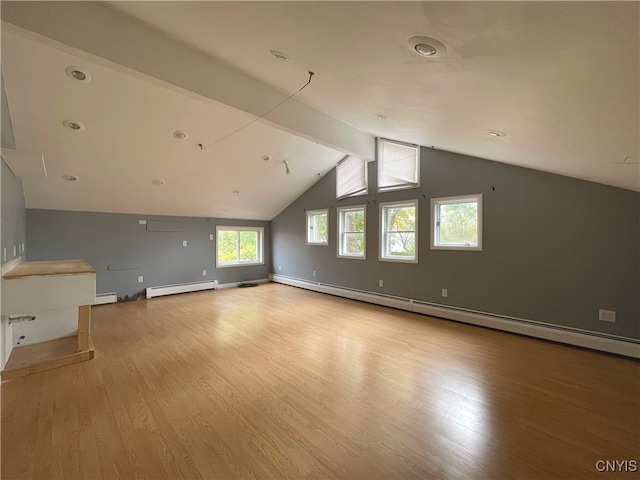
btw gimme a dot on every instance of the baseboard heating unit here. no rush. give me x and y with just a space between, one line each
627 347
103 298
180 288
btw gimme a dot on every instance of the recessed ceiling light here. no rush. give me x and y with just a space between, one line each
69 178
497 133
158 181
180 135
75 126
76 73
236 192
380 116
283 57
266 158
426 47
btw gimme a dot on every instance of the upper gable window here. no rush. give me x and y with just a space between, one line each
398 165
351 177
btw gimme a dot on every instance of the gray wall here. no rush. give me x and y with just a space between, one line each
120 249
13 214
556 249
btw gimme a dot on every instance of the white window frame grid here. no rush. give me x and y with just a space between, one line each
379 159
383 231
239 263
361 181
436 203
341 236
308 214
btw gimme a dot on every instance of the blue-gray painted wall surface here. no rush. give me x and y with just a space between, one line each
13 214
121 249
556 249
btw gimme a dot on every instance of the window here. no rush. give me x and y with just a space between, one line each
351 177
351 232
457 223
237 246
399 231
398 165
317 227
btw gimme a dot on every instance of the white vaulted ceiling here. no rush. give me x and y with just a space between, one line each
561 79
128 141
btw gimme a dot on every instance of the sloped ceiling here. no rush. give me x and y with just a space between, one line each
560 79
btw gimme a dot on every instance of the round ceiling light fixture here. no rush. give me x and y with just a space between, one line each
180 135
497 133
235 192
69 178
283 57
266 158
426 47
75 126
158 181
380 116
76 73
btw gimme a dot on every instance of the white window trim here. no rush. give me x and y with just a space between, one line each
435 202
381 236
363 191
306 226
379 165
260 231
364 233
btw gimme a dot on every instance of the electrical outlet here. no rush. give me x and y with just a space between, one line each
140 279
445 292
314 273
279 268
142 222
381 283
204 273
4 254
211 237
184 243
15 252
607 316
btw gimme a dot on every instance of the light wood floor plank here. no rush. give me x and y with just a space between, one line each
278 382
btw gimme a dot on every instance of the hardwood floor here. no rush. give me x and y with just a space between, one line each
278 382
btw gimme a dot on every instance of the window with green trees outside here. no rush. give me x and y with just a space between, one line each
239 246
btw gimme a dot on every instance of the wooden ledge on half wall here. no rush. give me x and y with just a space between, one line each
40 287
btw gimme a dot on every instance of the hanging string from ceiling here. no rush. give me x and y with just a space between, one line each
202 147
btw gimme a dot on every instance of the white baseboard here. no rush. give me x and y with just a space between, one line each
582 338
180 288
